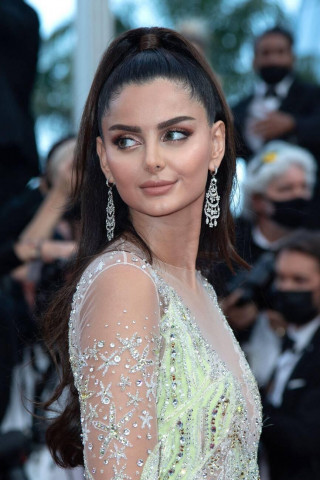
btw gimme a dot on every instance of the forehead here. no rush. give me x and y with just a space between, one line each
156 100
272 41
297 263
293 174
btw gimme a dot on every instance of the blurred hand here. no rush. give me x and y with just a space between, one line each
277 322
238 317
274 125
20 274
26 250
47 250
54 249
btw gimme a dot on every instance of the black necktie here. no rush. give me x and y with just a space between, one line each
287 343
271 91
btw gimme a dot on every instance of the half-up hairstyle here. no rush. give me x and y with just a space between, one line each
135 57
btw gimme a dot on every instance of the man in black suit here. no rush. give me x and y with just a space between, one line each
292 400
19 44
281 105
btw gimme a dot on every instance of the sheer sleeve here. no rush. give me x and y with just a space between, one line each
118 344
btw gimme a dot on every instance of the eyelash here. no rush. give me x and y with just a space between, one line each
186 133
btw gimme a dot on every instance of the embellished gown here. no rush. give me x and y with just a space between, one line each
165 391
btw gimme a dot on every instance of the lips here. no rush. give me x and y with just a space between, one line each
157 187
156 183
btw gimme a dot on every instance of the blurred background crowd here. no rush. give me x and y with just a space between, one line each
266 55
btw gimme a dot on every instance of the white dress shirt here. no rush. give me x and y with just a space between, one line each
261 241
289 358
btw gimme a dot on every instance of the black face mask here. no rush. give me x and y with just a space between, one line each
291 213
296 306
273 73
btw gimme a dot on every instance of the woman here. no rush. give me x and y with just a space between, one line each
164 390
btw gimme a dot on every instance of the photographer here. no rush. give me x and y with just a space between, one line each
27 222
292 396
28 247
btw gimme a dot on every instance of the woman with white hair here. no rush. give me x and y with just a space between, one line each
277 191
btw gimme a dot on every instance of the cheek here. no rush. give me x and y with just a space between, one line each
194 161
122 168
273 193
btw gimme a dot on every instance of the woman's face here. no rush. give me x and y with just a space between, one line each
157 147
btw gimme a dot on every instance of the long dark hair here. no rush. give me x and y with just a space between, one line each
136 56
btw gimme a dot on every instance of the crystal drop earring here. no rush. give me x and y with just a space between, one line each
211 207
110 210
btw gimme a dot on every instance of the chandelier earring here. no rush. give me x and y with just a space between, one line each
211 207
110 210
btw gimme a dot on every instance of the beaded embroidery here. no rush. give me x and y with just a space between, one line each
174 383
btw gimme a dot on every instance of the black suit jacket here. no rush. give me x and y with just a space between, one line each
291 432
303 102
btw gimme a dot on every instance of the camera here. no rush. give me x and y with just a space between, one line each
255 284
14 450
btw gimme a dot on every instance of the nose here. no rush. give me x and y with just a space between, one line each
154 160
285 286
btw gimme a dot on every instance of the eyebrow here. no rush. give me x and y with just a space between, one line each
160 126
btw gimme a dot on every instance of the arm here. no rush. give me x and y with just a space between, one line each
118 329
30 244
46 218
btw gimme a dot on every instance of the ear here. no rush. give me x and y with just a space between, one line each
218 137
102 154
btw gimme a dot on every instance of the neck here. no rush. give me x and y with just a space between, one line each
173 239
271 230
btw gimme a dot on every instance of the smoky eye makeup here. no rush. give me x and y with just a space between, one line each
176 135
123 142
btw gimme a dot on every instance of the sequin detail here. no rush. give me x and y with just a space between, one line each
180 402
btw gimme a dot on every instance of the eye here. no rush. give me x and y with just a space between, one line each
301 280
124 142
175 135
